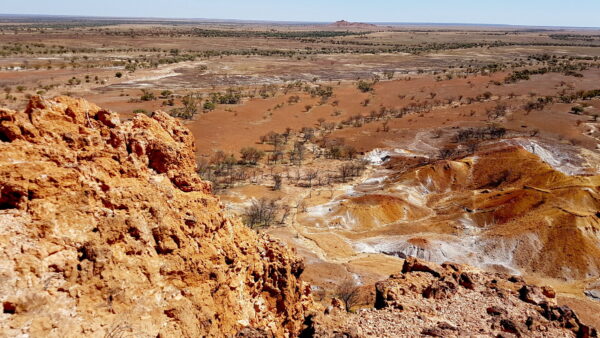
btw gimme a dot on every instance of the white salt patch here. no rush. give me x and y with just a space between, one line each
376 156
428 186
347 220
321 210
415 195
472 250
469 225
364 247
552 156
151 78
420 146
374 180
404 152
400 151
357 279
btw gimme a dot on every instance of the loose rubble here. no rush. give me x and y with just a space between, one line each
452 300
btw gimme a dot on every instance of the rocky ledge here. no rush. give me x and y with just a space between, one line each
107 231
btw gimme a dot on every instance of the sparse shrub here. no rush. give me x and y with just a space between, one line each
577 110
74 81
498 111
293 99
209 106
190 104
231 96
365 86
189 109
251 155
446 153
147 95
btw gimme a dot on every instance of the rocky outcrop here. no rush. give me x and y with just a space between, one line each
347 24
106 230
452 300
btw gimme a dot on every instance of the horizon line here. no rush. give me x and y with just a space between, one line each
379 23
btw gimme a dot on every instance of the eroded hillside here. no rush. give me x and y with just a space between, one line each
503 207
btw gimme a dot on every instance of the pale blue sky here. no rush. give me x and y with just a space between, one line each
518 12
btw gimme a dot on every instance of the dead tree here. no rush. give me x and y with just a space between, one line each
277 180
310 176
261 213
348 291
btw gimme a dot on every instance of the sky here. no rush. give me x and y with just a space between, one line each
579 13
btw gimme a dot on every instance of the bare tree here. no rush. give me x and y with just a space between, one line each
300 207
348 291
385 126
286 134
346 171
277 179
297 154
310 176
286 213
261 213
446 153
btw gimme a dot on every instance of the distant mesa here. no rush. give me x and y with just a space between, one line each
344 24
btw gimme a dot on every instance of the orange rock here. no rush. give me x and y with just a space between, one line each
105 229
